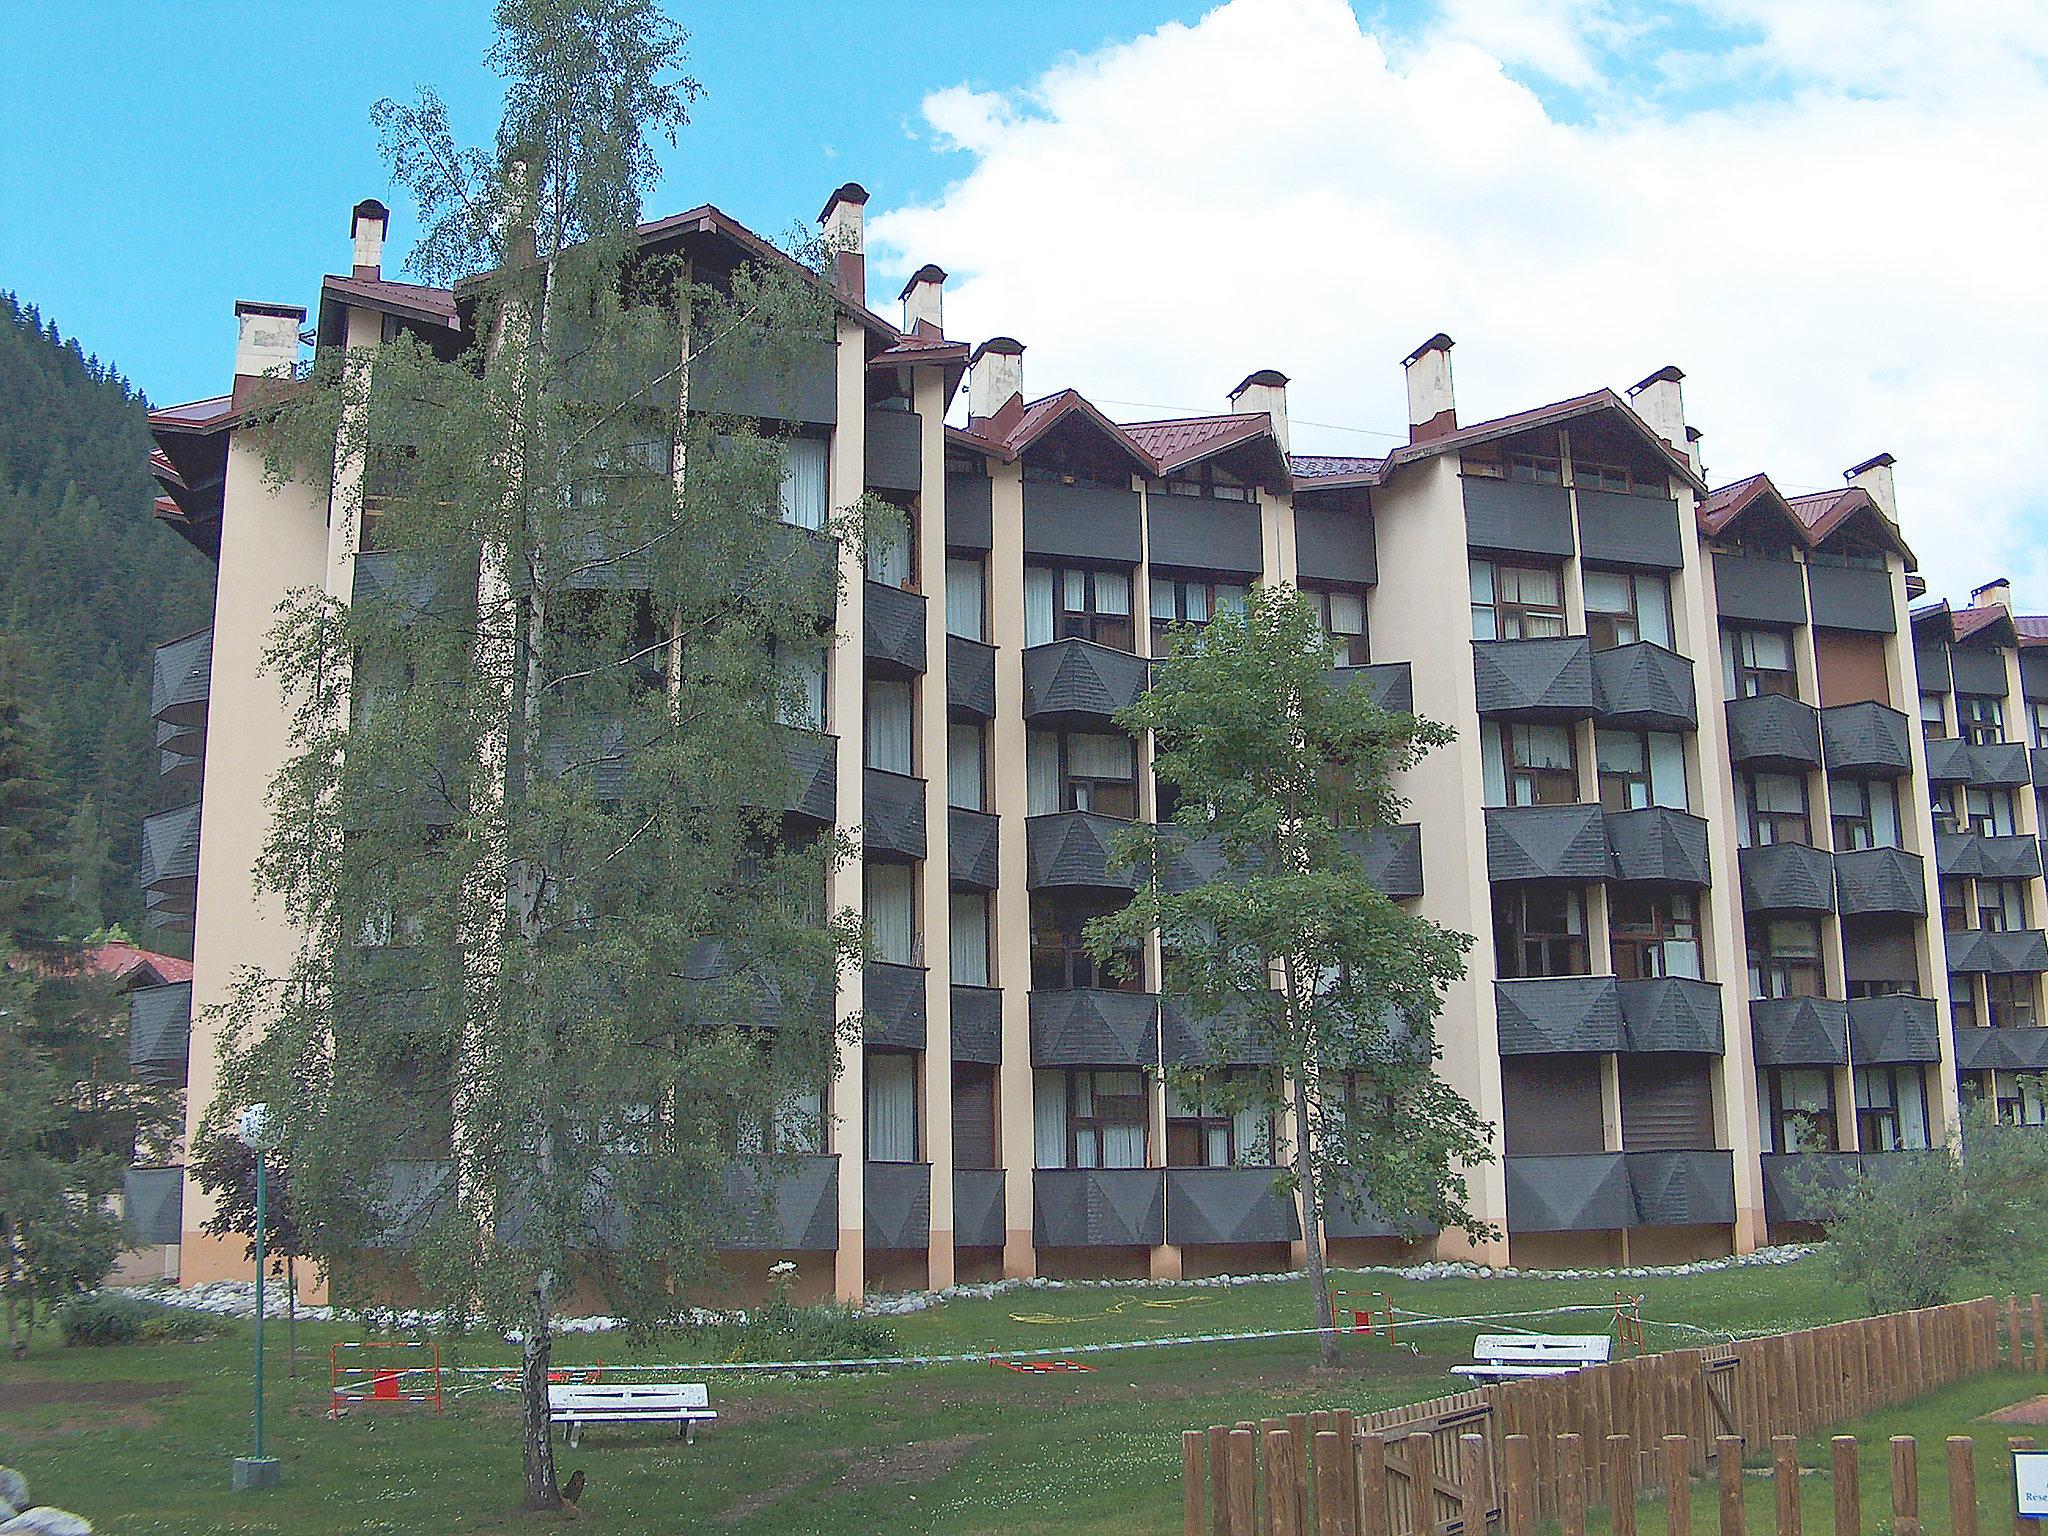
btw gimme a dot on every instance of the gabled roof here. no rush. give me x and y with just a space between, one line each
1824 513
1175 443
1555 414
1009 432
408 301
1989 625
141 967
1316 470
1723 507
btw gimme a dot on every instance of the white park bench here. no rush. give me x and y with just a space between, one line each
1505 1356
688 1404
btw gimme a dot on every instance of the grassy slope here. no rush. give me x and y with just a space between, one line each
964 1448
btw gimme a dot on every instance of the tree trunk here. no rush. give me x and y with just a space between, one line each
1312 1226
534 1356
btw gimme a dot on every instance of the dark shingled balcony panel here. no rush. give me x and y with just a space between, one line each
1880 880
417 588
2018 951
796 1213
1949 760
1227 1205
978 1208
891 815
2040 765
972 850
1546 842
1340 1219
1390 683
1185 1041
153 1204
1513 518
1075 850
1848 597
1643 687
1082 522
1579 1192
169 869
1689 1188
1748 589
1629 530
1930 662
894 457
1205 533
1772 731
1866 741
977 1024
1098 1207
892 1006
1090 1027
2000 764
970 516
1393 859
897 1204
1540 1016
1658 846
814 762
1671 1013
729 382
1799 1031
970 679
2017 857
1787 877
1977 668
180 677
160 1031
2034 673
1797 1184
892 624
1534 679
1899 1028
1076 682
2001 1050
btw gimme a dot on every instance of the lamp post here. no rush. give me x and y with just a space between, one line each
256 1470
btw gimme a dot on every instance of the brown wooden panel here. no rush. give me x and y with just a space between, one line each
1851 668
974 1116
1667 1103
1551 1105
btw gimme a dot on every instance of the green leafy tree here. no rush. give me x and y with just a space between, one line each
226 1169
568 976
1290 955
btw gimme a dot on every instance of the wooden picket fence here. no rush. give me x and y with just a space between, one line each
1546 1448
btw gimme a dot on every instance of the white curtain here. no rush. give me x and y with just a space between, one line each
1667 770
804 672
890 918
1037 605
1251 1130
888 544
968 938
1112 591
1653 609
965 600
1492 769
964 776
1041 773
1102 757
889 727
1049 1117
892 1108
1123 1146
803 482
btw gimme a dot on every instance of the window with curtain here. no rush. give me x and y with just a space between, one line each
1090 1118
1653 932
1189 600
967 930
1784 958
1623 607
795 1125
1865 813
803 482
1980 718
1077 603
966 766
891 912
1201 1135
1080 771
966 598
1539 930
1891 1109
888 727
1341 612
1798 1106
802 671
2011 1000
889 547
1934 717
1962 1000
1989 812
1059 953
1516 602
1771 808
1529 764
1756 662
2001 905
1640 769
891 1107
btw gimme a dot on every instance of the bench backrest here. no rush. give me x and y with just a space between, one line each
685 1394
1542 1348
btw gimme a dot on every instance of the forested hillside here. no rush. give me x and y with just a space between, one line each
88 586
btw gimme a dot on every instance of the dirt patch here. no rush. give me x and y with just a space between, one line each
2033 1411
924 1461
58 1394
749 1505
126 1418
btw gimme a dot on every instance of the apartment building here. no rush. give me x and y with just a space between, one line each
1687 815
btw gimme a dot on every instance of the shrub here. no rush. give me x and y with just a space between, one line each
779 1329
97 1319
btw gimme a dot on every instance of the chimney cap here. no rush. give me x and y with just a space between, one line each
1005 346
1991 586
852 192
1882 461
1668 374
1273 378
1692 434
1437 343
295 312
930 272
368 208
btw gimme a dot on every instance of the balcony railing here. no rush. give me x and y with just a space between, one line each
1899 1028
897 1204
978 1212
1075 850
970 679
1607 1191
1094 1027
1098 1207
1549 679
1775 733
1227 1205
1077 682
1659 846
1787 877
1866 741
973 851
892 815
1644 687
1547 842
160 1031
893 630
1880 880
893 1006
1799 1031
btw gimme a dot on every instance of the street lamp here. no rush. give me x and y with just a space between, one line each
258 1132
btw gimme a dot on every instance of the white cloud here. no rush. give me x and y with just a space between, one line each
1841 248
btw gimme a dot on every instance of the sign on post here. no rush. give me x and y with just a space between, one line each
2030 1484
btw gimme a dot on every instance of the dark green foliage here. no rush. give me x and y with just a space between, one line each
89 585
779 1329
97 1319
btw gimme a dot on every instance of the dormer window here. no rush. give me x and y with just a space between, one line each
1617 478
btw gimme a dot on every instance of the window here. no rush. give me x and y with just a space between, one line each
801 673
1955 904
1526 468
891 554
891 1117
1059 956
1942 800
2040 724
1799 1109
2019 1099
1341 611
966 598
1962 1001
1891 1109
887 728
966 766
1200 1135
1204 480
1614 477
1771 808
1757 661
795 1125
1078 771
1784 958
1653 933
1089 1118
1865 813
1077 604
967 938
891 913
2009 1001
803 482
1640 768
2001 905
1539 930
1529 764
1932 717
1516 602
1980 718
1989 812
1189 600
1623 607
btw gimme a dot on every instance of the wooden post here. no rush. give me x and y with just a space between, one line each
1678 1485
1728 1463
1848 1487
1785 1482
1346 1429
1962 1472
1472 1484
1219 1480
1243 1485
1191 1482
1298 1431
1571 1485
1283 1493
2040 1334
1422 1520
1373 1518
2022 1525
1518 1508
1621 1484
2013 1357
1905 1486
1332 1515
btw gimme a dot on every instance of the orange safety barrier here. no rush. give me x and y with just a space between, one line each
379 1383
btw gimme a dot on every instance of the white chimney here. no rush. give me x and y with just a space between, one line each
923 301
1660 401
995 377
1694 452
268 341
1265 391
844 219
367 227
1875 476
1993 594
1432 407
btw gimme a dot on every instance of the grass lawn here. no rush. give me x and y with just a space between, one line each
139 1438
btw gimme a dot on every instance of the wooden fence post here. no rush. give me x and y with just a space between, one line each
1621 1484
1848 1487
1571 1485
2040 1334
1298 1442
2022 1525
1219 1480
1678 1485
1331 1471
1283 1493
1905 1486
1785 1482
1191 1482
1518 1507
1373 1518
1962 1479
1472 1484
1728 1464
1243 1485
1422 1519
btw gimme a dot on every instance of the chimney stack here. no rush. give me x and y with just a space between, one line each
1694 452
367 227
923 301
995 378
845 236
267 345
1993 594
1432 408
1875 476
1660 401
1265 391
